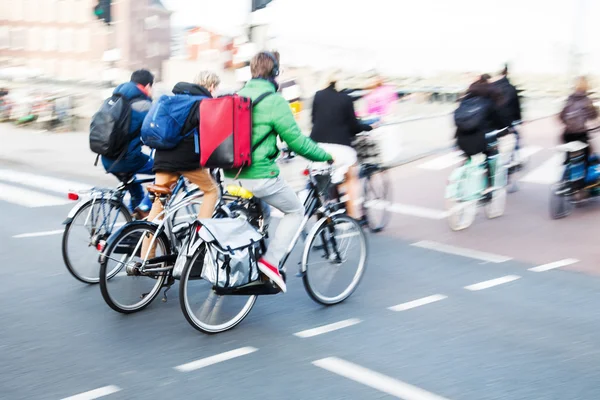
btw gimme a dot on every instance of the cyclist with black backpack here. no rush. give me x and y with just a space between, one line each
481 111
115 135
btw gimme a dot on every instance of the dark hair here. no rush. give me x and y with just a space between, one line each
504 70
483 88
142 77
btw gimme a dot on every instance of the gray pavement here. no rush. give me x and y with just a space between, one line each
472 326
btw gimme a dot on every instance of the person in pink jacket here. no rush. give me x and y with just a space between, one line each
379 101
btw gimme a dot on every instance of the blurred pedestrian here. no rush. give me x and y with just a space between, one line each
379 102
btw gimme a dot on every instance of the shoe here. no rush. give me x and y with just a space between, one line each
273 274
140 214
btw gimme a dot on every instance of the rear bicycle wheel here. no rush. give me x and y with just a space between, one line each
202 307
125 286
561 205
377 198
334 259
93 222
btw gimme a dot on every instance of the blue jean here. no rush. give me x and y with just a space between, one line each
138 196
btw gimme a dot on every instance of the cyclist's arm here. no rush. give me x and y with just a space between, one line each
286 127
355 125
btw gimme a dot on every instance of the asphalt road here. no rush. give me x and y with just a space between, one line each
439 315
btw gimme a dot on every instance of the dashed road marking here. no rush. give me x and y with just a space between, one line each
95 394
459 251
492 282
327 328
375 380
417 303
42 182
38 234
29 198
554 265
205 362
443 162
548 172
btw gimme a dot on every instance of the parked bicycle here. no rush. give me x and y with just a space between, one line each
92 221
216 295
466 185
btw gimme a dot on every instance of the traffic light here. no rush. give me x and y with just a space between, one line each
102 11
258 4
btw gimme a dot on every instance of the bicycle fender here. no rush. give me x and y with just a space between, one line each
74 210
310 237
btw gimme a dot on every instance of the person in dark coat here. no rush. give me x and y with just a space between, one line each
580 104
512 103
474 142
334 127
184 159
138 91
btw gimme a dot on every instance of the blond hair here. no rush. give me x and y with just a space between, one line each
207 79
581 84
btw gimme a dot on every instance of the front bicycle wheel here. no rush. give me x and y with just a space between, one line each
334 259
126 285
204 309
377 198
92 223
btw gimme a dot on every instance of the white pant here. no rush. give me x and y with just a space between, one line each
344 158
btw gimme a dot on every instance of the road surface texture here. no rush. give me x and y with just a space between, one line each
506 309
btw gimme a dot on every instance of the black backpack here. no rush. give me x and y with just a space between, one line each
109 128
471 113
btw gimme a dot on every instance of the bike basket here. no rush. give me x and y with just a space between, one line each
367 149
322 181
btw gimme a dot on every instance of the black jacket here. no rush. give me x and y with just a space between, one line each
182 157
333 117
473 142
512 104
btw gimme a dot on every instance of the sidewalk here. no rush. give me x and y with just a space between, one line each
69 153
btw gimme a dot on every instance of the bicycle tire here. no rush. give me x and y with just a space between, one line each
105 257
383 199
66 235
321 225
186 308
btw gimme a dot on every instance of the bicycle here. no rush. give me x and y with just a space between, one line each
376 187
466 185
99 211
327 243
580 179
121 258
517 164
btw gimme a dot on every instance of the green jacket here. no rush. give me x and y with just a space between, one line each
273 116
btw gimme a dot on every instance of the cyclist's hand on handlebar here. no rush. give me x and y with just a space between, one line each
331 162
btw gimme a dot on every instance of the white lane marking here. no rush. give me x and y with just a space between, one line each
40 181
95 394
548 172
459 251
375 380
528 151
443 162
492 282
205 362
417 303
37 234
406 209
29 198
327 328
554 265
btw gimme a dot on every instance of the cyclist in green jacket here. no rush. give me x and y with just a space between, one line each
273 117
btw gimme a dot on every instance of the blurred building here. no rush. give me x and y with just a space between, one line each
62 39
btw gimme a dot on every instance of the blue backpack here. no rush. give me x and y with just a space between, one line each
163 126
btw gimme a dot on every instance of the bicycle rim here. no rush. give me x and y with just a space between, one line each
202 307
461 214
377 198
90 225
125 288
333 249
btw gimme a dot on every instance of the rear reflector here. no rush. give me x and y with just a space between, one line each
100 246
306 172
73 196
